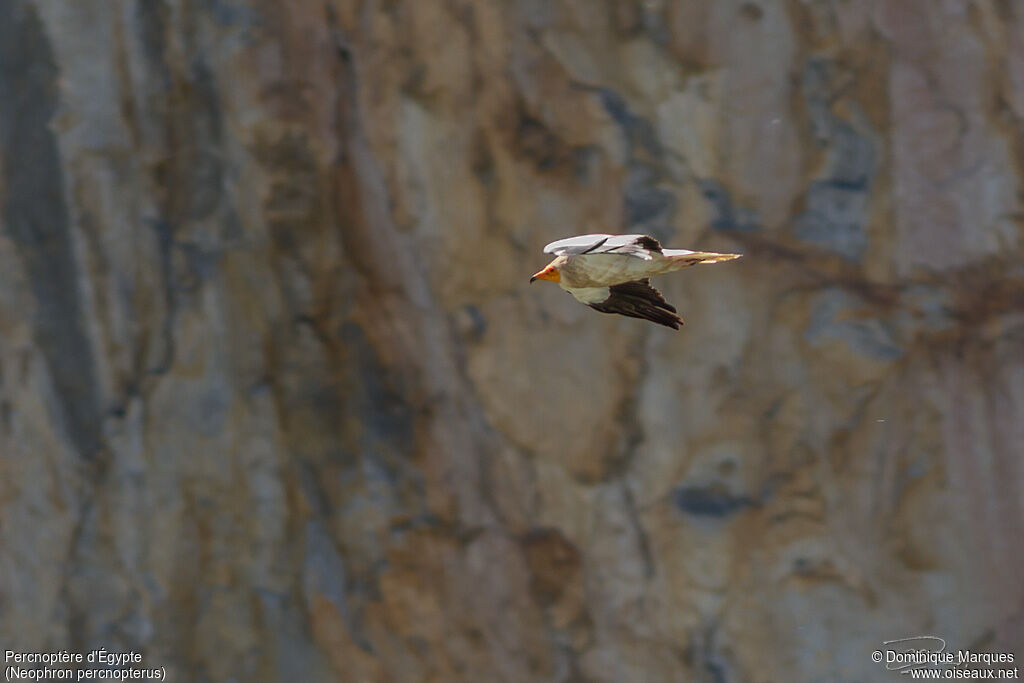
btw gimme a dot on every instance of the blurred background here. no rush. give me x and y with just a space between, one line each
277 402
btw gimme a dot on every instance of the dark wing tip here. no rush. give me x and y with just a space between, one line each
637 299
648 242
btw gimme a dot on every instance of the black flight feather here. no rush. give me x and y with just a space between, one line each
637 299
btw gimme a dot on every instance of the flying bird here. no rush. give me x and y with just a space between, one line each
610 273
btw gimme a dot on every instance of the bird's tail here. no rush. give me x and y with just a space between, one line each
683 258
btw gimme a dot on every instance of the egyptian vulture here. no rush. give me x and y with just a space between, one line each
610 273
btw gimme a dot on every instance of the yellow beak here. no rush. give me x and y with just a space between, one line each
549 273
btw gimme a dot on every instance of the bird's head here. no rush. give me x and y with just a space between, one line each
550 272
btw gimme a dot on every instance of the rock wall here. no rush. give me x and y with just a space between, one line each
277 403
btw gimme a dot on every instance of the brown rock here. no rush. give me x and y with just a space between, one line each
277 402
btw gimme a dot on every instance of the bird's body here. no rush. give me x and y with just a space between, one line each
610 273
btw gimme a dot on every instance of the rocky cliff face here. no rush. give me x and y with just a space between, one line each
276 400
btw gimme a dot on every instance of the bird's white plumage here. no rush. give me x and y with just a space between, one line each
595 270
588 295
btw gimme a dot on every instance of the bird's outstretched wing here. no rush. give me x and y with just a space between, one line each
639 246
637 299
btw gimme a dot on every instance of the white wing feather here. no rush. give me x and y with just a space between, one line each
626 245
